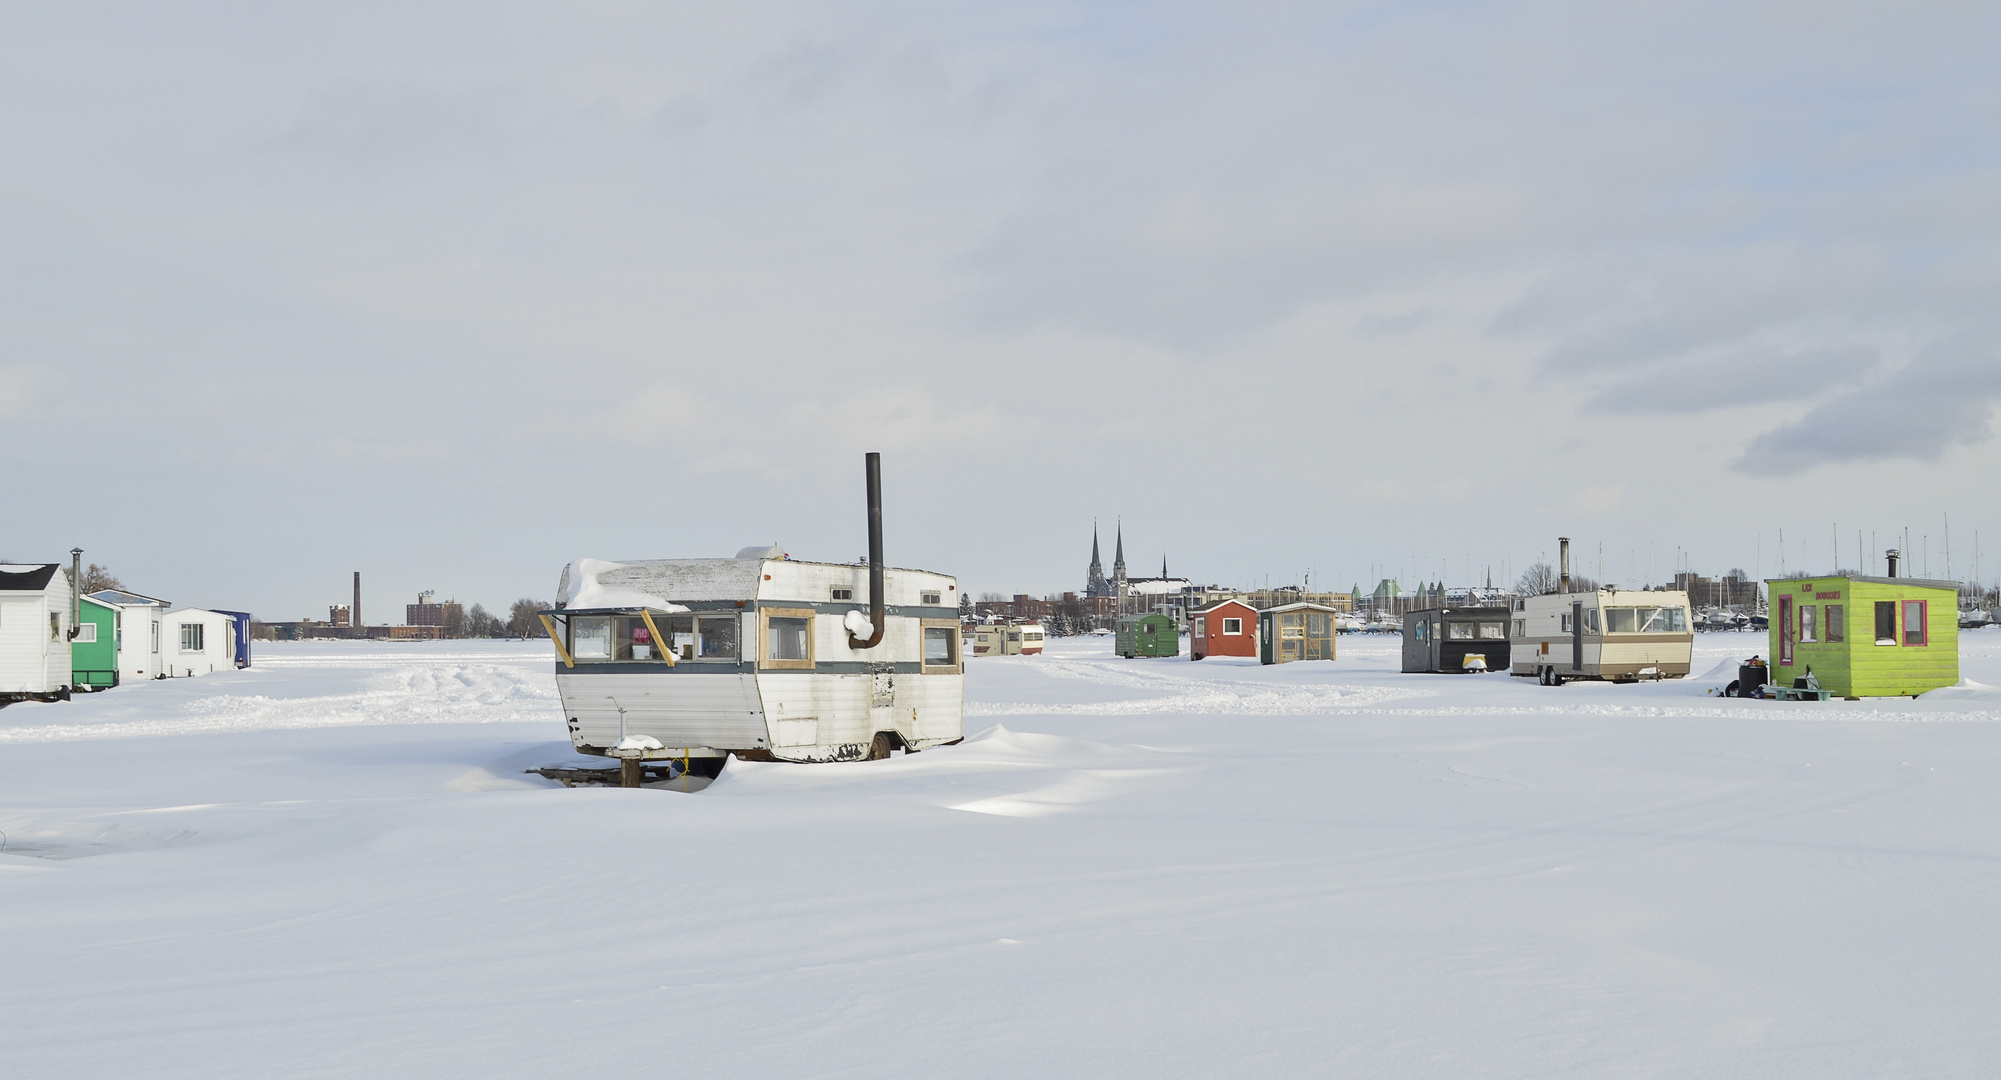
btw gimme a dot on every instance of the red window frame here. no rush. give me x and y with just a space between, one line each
1924 623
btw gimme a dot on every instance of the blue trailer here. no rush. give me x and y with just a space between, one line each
242 635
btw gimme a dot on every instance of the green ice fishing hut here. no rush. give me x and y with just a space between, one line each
93 653
1150 634
1865 636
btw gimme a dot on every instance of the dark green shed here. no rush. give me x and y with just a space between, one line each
1152 634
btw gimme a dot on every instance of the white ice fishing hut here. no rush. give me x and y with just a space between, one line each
35 617
761 656
198 641
140 625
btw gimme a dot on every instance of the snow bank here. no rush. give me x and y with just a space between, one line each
858 624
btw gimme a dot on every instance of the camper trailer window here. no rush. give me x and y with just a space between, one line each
1663 620
1833 627
843 594
1493 631
932 598
788 638
679 630
1459 631
718 638
938 645
590 637
1591 619
1914 622
1521 628
1808 632
1619 620
1886 622
1566 622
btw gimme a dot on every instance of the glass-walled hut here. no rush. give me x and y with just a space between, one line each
1296 632
1865 636
1456 639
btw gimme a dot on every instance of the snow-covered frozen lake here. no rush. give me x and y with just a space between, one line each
332 864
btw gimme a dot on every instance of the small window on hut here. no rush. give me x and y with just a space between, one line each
86 634
718 638
1233 626
941 647
1459 631
191 637
1808 625
1886 622
788 638
1833 624
1493 631
1201 626
1914 622
590 637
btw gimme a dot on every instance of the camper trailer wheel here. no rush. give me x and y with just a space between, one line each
880 748
1542 675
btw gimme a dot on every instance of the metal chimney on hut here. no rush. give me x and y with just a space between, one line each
1891 557
1563 562
877 602
75 590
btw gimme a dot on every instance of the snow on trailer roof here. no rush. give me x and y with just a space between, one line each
32 577
594 584
121 598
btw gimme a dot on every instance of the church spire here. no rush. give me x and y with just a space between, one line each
1119 554
1094 578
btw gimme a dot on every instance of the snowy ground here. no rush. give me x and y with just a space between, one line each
331 864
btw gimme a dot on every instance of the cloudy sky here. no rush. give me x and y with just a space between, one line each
453 294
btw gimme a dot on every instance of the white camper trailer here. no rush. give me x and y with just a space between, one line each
1611 634
140 633
197 641
762 656
36 612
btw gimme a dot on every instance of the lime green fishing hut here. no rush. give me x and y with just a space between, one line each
93 653
1151 634
1865 636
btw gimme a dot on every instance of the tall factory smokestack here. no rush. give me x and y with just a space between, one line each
354 610
1563 561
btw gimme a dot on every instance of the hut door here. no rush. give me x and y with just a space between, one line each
1577 635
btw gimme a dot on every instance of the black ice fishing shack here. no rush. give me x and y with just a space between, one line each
1456 639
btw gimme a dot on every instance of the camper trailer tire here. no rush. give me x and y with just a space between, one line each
880 748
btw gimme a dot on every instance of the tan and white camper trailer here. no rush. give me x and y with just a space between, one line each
1611 634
